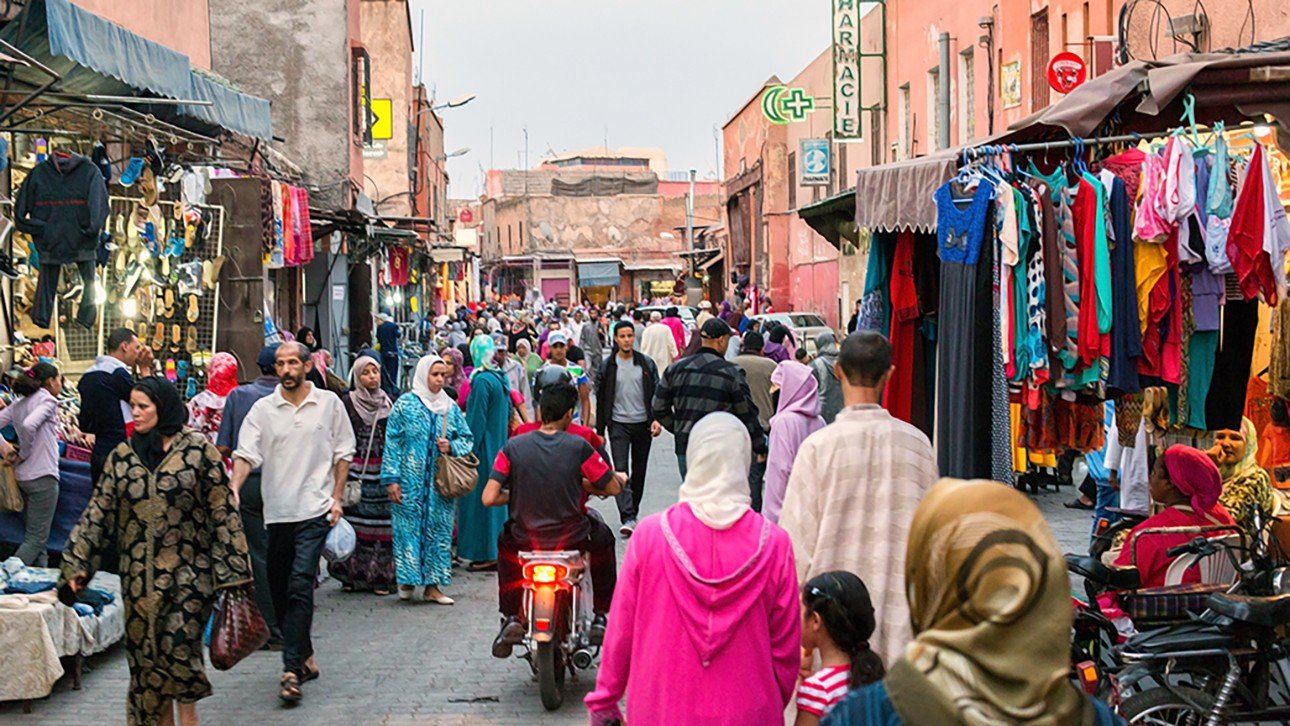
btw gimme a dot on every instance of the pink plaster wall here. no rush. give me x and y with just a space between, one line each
182 25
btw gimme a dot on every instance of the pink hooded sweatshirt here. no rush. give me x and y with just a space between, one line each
705 627
798 417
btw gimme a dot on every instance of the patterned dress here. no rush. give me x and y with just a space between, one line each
371 567
423 522
180 539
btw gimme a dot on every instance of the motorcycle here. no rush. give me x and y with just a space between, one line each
558 613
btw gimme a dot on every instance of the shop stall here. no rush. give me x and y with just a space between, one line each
1127 244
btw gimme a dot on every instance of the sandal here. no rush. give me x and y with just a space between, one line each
482 566
442 599
310 674
289 688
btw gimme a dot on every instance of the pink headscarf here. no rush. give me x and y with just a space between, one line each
321 359
222 374
1194 474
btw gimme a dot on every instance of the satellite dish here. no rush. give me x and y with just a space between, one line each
545 229
615 234
667 235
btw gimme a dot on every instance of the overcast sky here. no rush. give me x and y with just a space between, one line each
656 73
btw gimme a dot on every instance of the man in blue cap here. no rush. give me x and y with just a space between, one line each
251 504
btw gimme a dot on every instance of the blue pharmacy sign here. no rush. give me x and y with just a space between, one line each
815 162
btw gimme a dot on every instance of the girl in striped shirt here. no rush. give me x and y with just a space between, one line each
837 620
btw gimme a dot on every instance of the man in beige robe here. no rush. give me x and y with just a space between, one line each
853 490
658 343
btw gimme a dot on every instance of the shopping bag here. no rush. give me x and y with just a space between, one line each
238 629
11 499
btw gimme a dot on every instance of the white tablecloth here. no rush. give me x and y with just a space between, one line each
34 638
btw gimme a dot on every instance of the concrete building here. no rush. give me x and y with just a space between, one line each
386 29
182 25
598 225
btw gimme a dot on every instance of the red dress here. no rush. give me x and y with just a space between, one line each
904 326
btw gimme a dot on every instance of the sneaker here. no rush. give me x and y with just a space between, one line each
629 526
597 633
511 635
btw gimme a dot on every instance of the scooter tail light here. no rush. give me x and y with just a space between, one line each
542 625
544 573
1088 676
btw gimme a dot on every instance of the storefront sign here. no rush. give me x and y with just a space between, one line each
1010 84
382 118
814 162
846 69
784 105
465 216
1066 71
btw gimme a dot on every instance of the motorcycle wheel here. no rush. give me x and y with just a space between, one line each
1162 706
550 672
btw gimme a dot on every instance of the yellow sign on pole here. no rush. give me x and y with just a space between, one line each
382 118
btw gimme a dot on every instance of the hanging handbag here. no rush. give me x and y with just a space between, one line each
455 476
239 629
353 493
11 499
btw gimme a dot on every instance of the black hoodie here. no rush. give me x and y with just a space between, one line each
63 205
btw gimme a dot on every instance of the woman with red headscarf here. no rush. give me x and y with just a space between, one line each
1187 483
207 408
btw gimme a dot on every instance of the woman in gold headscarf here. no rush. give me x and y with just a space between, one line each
1246 485
989 601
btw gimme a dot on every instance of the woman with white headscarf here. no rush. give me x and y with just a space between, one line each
720 579
371 567
415 438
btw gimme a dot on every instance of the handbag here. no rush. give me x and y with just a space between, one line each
455 476
353 493
238 630
11 499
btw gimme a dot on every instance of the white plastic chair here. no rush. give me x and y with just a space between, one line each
1215 569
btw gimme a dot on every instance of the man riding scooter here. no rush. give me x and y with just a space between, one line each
544 478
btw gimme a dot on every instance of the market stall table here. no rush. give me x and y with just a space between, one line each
34 637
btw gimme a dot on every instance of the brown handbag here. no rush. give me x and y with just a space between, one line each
239 629
455 476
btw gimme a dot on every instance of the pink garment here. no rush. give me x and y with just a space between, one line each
797 418
678 331
305 250
705 627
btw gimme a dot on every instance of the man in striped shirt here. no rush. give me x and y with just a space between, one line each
703 383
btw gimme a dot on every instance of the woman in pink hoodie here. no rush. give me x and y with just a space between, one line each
705 624
798 416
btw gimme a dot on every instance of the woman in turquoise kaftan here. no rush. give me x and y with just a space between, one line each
488 413
421 519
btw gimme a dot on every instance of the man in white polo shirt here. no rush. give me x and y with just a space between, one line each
301 439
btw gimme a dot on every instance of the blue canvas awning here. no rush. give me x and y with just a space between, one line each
96 56
599 273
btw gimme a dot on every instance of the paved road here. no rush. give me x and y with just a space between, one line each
391 662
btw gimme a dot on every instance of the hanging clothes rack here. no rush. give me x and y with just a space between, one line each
976 152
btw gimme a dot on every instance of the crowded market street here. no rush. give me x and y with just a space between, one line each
391 662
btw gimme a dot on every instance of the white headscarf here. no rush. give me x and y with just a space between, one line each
716 482
438 403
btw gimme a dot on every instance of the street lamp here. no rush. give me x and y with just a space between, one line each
458 101
459 152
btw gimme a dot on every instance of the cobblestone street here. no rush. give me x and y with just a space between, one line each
385 661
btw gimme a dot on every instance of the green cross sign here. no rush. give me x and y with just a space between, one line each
783 105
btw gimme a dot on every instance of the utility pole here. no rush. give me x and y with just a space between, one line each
689 212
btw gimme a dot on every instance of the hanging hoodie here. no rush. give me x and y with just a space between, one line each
63 205
797 418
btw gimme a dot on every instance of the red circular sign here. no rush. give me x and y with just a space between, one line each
1066 71
465 216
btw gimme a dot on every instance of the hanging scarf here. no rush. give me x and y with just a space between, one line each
172 415
716 482
483 351
222 374
989 603
438 402
371 405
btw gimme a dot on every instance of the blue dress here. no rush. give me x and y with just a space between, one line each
488 413
871 706
422 524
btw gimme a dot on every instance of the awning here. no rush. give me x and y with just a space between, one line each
599 273
447 254
833 218
1250 83
97 56
651 266
898 196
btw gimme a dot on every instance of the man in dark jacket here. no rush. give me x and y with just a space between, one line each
105 394
705 382
63 205
623 406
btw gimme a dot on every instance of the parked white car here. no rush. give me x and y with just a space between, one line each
805 326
